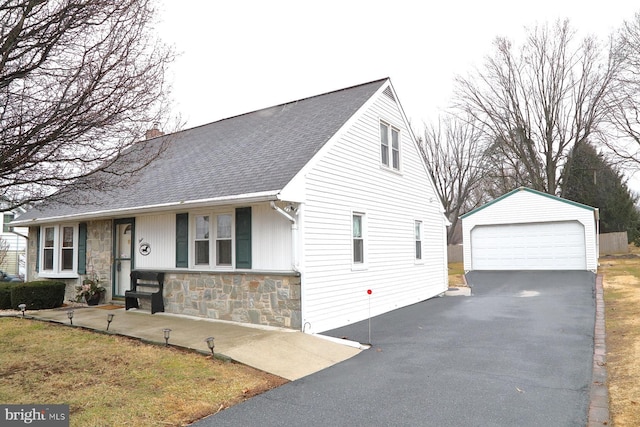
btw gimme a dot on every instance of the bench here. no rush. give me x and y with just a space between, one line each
145 279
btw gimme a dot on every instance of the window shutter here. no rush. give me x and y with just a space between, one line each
243 237
82 248
38 249
182 240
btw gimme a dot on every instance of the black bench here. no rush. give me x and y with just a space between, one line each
145 279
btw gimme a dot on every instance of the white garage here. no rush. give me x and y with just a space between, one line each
529 230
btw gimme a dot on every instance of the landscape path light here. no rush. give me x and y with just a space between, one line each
166 331
70 316
109 319
211 345
23 308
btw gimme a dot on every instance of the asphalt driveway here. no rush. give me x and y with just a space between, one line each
517 352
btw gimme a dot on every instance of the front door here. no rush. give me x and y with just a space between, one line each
123 255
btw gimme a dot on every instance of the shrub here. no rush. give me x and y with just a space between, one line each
38 294
5 295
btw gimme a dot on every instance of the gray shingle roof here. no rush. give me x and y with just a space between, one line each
255 152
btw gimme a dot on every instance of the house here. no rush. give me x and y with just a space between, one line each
530 230
13 243
284 216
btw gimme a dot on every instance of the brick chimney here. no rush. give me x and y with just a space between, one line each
153 132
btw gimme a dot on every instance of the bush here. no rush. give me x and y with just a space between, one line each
5 295
38 295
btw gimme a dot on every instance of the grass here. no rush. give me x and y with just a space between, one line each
622 303
456 274
108 380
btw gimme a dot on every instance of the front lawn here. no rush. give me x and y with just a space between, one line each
114 381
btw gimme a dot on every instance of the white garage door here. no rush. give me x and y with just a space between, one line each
535 246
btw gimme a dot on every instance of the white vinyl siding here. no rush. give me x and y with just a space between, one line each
271 240
347 179
158 231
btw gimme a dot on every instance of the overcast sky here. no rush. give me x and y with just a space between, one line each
239 56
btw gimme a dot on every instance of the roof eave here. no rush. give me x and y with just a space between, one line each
265 196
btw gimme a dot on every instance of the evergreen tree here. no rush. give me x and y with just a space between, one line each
590 179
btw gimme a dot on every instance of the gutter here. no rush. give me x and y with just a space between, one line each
122 212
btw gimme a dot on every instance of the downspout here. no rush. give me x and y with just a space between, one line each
294 234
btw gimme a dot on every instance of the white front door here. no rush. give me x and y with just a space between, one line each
123 260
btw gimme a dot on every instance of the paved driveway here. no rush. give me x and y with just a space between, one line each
516 353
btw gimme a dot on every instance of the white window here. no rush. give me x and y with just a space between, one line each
223 239
202 240
58 250
212 240
389 146
418 229
358 238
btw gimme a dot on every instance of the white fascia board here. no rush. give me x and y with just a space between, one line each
266 196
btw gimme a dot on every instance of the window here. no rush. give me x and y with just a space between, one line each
223 239
59 248
7 218
389 146
384 144
211 235
418 227
49 240
358 239
202 240
67 248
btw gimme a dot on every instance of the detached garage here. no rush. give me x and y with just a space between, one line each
530 230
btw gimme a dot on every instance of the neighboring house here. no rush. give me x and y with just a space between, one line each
13 244
529 230
284 216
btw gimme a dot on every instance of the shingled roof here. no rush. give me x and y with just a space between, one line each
253 153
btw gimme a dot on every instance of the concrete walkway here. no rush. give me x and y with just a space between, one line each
283 352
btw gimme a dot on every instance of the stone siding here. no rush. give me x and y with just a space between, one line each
99 248
264 299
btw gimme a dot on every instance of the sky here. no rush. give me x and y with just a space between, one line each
243 55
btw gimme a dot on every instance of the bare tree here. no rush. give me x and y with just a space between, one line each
536 102
80 82
625 99
453 150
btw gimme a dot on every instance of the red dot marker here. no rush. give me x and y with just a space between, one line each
369 291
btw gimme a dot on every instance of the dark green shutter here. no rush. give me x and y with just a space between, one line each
182 240
82 248
243 238
37 249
